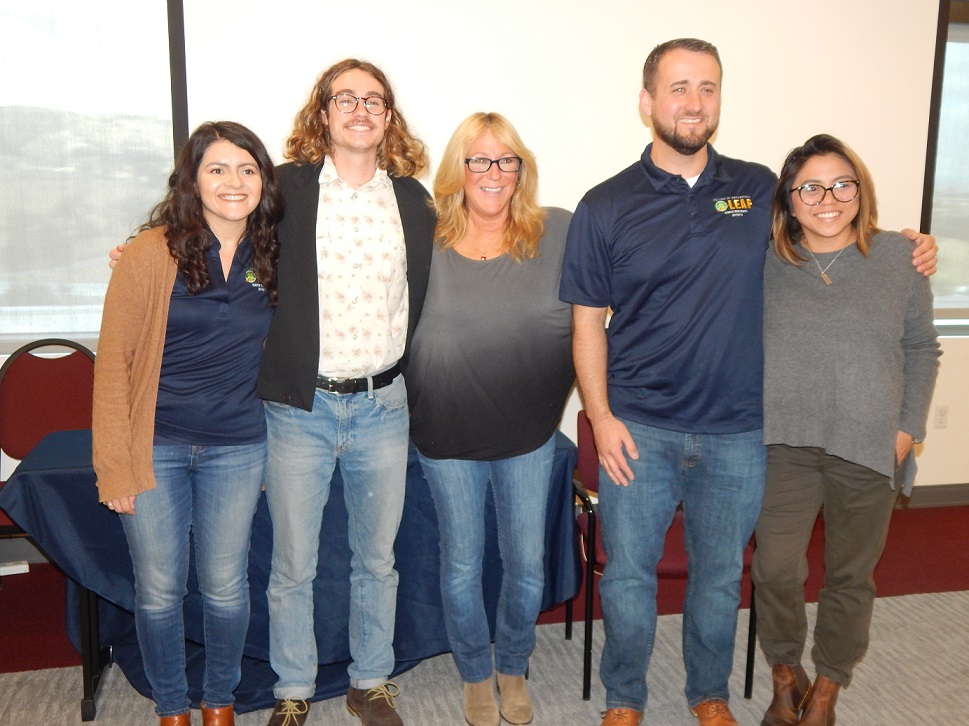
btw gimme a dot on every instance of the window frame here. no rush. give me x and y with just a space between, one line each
950 321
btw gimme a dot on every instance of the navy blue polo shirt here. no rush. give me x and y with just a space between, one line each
682 270
213 346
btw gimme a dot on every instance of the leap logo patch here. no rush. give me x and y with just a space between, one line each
251 279
736 206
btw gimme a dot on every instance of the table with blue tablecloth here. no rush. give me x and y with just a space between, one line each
52 496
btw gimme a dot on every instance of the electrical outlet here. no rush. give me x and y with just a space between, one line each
941 417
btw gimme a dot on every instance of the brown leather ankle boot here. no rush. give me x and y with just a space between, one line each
224 716
819 707
791 687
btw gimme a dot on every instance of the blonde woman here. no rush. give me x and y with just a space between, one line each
490 370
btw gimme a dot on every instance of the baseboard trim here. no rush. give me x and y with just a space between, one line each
936 495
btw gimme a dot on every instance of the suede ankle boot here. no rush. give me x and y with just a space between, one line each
516 705
791 687
480 706
819 707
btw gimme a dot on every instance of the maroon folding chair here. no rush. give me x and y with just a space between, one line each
40 394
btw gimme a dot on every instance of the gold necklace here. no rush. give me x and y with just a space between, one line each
824 272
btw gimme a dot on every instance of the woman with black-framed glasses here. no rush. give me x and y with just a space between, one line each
851 356
490 369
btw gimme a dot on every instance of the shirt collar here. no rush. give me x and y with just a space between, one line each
328 175
660 178
216 245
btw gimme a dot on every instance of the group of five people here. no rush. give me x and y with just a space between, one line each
347 277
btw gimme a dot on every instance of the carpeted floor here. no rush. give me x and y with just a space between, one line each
915 673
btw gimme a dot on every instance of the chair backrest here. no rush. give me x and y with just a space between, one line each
40 394
588 461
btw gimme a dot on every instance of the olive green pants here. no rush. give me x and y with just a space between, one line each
857 503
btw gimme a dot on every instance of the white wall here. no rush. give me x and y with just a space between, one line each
568 74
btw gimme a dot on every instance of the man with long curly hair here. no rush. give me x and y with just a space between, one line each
355 251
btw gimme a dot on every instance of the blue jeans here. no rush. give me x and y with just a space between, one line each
720 480
210 492
520 485
367 435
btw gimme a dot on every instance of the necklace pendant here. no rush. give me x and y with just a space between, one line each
484 257
827 280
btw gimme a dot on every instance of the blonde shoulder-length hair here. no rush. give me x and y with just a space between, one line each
400 154
526 219
786 231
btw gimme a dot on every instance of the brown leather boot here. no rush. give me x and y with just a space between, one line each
182 719
819 707
791 687
224 716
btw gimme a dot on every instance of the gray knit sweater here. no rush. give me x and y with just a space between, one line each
850 364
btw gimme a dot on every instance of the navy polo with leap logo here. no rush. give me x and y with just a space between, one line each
682 269
213 346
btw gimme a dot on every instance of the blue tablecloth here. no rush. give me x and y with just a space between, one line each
52 496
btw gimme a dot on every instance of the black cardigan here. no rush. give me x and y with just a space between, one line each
290 361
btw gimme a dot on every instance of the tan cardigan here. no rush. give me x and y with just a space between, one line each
128 365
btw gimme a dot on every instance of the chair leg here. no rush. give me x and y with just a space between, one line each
751 646
590 573
568 620
94 657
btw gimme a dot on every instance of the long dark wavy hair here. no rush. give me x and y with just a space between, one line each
188 234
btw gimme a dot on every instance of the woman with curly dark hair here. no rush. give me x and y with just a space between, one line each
179 434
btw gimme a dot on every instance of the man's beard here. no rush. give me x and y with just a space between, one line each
686 145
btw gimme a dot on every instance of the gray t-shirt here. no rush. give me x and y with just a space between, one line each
848 365
491 360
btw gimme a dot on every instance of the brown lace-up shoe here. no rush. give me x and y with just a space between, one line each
819 707
791 687
376 706
289 712
621 717
714 713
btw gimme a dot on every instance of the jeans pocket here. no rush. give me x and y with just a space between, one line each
392 397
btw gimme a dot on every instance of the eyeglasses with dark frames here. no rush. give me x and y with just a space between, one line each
347 103
480 165
842 191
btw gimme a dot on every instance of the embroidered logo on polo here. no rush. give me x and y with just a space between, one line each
251 279
735 206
